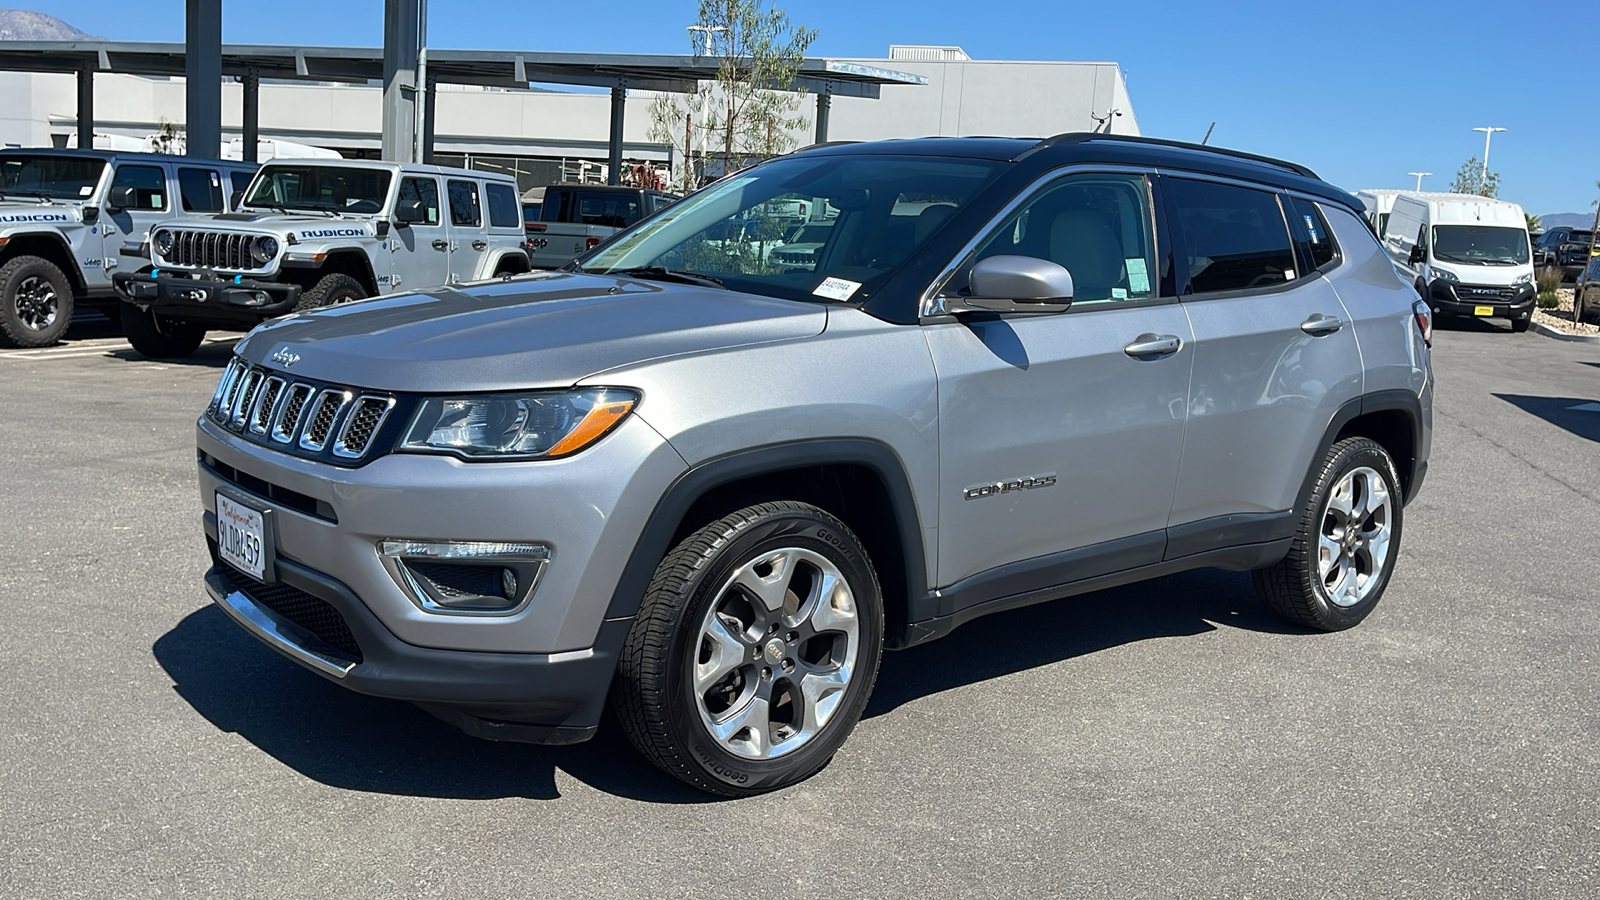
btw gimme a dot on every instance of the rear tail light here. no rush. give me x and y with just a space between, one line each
1424 318
591 243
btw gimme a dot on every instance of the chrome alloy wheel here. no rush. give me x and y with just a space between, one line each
1353 546
37 303
776 653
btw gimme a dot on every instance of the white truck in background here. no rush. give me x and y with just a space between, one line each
576 218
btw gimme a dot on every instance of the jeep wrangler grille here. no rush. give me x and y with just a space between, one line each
210 250
305 418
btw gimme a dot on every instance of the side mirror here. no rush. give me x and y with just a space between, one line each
1016 284
234 199
121 198
1418 254
409 212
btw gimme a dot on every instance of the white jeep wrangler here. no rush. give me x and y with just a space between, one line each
313 233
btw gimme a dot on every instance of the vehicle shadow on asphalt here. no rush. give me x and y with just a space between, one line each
211 355
1182 605
360 743
1469 324
1558 411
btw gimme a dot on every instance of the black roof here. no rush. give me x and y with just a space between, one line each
110 155
1112 148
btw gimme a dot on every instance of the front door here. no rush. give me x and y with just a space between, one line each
421 250
152 204
1060 434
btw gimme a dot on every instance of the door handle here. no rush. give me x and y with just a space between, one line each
1153 345
480 245
441 244
1319 325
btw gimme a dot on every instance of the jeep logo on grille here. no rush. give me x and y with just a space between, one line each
285 357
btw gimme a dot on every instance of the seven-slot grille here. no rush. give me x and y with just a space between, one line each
290 415
211 250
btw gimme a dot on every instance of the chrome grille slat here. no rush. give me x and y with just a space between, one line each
247 396
324 415
366 417
298 417
266 404
287 424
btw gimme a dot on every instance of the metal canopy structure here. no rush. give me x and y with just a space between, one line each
826 78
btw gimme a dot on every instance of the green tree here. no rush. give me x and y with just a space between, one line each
744 114
1470 180
1533 222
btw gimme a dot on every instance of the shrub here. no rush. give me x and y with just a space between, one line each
1548 281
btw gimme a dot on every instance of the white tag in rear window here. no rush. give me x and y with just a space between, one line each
836 289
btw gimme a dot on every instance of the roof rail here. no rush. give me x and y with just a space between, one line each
823 145
1081 137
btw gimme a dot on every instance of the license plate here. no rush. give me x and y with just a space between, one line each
1483 310
241 538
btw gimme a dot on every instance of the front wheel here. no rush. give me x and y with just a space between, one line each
1346 543
158 336
35 302
331 290
1520 325
755 650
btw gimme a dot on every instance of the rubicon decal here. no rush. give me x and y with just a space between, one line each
35 217
1032 482
332 232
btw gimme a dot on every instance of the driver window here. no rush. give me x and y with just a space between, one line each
1096 226
425 190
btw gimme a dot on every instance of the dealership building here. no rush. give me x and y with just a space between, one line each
543 132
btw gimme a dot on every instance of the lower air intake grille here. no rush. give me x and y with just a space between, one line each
312 614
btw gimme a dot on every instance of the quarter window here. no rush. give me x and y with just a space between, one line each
1311 232
464 210
502 206
1096 226
425 190
1234 237
241 181
200 190
149 185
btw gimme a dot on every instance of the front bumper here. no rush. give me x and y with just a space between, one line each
1457 299
204 299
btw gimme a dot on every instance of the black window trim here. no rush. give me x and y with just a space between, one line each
1338 249
930 306
1181 273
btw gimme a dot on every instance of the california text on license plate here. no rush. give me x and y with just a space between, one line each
240 538
1483 310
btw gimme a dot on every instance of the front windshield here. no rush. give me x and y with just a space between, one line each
784 227
1480 244
325 188
55 177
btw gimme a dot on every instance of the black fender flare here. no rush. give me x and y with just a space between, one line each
698 480
71 270
1378 401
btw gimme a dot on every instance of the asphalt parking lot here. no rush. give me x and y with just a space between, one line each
1169 739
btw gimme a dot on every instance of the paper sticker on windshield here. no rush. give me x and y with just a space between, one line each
836 289
86 190
1138 275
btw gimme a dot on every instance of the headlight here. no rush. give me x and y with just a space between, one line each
264 249
540 425
1524 279
163 242
1443 275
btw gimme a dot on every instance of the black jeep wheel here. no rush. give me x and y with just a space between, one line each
755 650
35 302
160 337
331 290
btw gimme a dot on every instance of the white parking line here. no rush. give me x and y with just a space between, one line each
80 349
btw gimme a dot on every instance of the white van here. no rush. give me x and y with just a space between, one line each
1379 202
1467 255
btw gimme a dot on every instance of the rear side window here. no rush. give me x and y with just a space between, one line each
149 185
502 206
464 209
1311 232
1234 237
200 189
613 209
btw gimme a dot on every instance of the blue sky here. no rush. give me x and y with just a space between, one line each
1361 91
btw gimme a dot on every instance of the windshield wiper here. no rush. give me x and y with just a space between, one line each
662 273
40 195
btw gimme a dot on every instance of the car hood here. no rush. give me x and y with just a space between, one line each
546 331
304 228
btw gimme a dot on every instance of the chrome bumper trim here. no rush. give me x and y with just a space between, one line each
275 632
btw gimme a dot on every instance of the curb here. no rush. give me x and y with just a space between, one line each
1547 331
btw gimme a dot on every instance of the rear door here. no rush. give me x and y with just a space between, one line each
469 242
1275 356
505 220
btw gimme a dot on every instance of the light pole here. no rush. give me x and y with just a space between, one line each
1483 180
707 30
1420 176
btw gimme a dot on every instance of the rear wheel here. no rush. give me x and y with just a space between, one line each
331 290
158 336
1521 325
1345 547
755 650
35 302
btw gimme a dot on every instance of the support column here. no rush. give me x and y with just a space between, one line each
202 69
86 107
428 101
619 97
400 44
824 107
252 113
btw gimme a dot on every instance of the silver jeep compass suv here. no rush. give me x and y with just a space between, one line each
712 489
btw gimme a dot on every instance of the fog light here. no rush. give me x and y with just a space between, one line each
478 578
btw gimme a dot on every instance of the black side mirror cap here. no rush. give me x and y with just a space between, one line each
121 198
409 212
234 199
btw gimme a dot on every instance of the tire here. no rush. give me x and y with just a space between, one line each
331 290
1518 326
1297 588
35 302
157 336
707 653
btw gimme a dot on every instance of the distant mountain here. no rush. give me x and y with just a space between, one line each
1572 220
24 25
